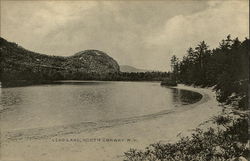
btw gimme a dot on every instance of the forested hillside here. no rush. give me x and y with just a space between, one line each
23 67
19 64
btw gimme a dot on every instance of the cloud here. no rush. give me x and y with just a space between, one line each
212 25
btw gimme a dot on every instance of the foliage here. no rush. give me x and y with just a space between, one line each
225 67
214 144
169 82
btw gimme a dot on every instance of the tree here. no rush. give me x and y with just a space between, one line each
174 66
225 67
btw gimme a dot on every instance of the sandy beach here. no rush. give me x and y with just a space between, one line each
107 141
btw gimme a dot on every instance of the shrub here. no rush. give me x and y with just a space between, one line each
213 144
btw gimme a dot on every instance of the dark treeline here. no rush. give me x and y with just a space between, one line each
29 77
120 76
50 77
225 67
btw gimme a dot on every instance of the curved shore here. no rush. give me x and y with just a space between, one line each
141 133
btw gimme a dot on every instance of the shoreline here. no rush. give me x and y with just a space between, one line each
163 129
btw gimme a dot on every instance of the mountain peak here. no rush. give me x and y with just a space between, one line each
90 52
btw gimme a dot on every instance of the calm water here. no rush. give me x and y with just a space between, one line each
68 103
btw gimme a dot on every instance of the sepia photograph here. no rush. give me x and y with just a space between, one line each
124 80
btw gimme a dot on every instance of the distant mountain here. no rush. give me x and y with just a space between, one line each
130 69
18 63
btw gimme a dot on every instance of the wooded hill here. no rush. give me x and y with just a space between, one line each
23 67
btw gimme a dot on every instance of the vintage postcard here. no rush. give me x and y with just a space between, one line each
138 80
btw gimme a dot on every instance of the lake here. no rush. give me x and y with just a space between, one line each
73 102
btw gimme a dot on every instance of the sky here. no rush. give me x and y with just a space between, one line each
144 34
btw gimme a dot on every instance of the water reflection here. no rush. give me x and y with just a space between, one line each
75 82
185 97
8 97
